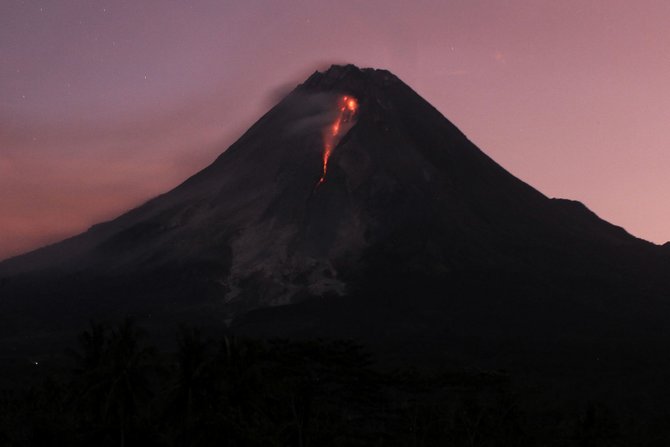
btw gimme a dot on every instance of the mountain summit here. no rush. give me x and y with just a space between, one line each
352 192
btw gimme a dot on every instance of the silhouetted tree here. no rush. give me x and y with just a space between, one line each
191 387
112 371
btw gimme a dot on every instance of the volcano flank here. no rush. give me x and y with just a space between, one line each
411 233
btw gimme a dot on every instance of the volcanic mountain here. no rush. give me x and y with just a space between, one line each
352 208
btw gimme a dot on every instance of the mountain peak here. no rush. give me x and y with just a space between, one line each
349 76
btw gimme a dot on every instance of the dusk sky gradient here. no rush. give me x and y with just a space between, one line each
104 104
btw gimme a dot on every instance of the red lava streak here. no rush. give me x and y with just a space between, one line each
347 107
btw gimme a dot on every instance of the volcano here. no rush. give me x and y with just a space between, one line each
353 208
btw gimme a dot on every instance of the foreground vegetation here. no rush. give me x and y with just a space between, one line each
119 391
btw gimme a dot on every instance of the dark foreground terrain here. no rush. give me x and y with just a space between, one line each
114 388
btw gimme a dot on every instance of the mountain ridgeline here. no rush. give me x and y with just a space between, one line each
413 235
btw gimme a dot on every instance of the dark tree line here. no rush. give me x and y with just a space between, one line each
119 391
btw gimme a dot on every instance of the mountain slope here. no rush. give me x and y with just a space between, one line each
409 207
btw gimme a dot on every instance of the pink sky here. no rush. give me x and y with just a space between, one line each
106 104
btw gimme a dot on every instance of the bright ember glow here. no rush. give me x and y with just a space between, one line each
347 108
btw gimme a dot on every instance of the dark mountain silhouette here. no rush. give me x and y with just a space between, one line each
415 234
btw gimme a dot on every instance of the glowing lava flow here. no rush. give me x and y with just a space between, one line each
347 107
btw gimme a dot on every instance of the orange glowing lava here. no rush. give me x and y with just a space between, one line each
347 107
